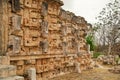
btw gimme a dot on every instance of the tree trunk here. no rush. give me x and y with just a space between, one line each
109 49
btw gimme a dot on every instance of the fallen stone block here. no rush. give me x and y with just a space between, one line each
13 78
7 71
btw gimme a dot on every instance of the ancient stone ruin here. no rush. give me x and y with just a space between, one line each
41 40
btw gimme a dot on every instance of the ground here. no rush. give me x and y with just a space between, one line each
93 74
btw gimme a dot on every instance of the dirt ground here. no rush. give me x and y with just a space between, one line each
93 74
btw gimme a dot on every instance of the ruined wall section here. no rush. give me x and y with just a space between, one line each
24 29
3 27
75 30
45 37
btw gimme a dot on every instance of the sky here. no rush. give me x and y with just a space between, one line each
89 9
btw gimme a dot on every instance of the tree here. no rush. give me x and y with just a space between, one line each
90 38
109 22
90 41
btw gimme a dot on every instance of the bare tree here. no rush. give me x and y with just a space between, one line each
109 25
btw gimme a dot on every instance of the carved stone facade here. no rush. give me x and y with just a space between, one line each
41 35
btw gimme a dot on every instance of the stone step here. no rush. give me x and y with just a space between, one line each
13 78
7 71
4 60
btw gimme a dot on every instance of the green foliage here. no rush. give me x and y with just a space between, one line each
96 54
90 41
95 28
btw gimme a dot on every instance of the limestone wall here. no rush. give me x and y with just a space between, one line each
43 36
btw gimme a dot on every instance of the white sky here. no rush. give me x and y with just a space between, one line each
89 9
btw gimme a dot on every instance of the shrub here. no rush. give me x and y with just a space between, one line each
96 54
90 41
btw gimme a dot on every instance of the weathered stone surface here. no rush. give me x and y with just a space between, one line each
31 74
15 5
16 22
66 15
3 27
18 78
45 37
4 60
44 10
13 78
44 29
20 69
31 37
59 1
77 65
7 71
44 45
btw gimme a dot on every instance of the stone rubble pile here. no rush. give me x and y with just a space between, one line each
110 59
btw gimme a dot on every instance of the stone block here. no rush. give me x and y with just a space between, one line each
38 62
3 72
16 22
28 66
69 30
4 60
64 30
34 13
53 19
39 76
26 17
24 50
44 45
44 61
44 29
46 67
62 14
53 9
13 78
35 4
17 33
20 70
32 61
66 15
18 78
11 70
20 13
35 51
55 27
7 71
21 1
28 3
77 19
39 68
20 62
15 5
16 44
31 74
51 67
45 75
34 22
44 9
31 39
